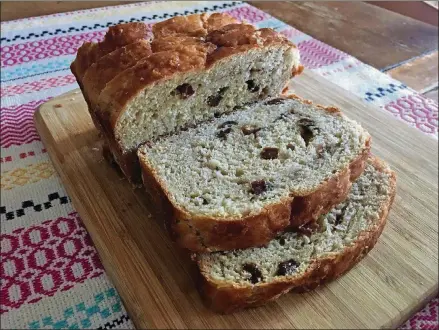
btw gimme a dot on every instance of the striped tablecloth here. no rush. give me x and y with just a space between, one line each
51 275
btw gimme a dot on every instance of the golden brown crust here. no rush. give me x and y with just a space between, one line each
86 56
174 43
193 25
110 65
233 35
98 64
236 38
177 48
225 298
296 71
121 35
117 36
216 21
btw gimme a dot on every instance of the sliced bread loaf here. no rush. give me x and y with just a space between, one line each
236 181
302 261
201 66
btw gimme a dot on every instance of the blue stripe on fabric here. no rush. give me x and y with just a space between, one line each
105 304
97 26
383 91
35 68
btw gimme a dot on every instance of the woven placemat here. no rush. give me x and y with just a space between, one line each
51 275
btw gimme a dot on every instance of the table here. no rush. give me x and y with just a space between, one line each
367 32
402 47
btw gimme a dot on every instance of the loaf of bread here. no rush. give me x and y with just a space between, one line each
269 193
303 260
195 68
238 180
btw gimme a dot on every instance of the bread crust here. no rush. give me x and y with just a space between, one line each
110 65
117 36
208 234
227 298
196 25
94 81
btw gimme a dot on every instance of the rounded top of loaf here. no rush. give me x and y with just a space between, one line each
197 25
117 36
183 44
110 65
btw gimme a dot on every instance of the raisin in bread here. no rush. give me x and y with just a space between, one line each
301 261
200 66
237 181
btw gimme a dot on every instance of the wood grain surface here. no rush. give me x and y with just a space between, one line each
156 280
375 36
433 94
420 10
421 73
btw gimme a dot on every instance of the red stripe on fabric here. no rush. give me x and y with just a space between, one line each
427 318
315 54
45 259
345 67
17 124
417 111
248 13
47 48
36 86
22 155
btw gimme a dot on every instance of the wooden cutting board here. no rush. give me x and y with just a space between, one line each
154 278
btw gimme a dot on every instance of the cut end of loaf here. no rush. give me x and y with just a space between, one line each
201 95
259 156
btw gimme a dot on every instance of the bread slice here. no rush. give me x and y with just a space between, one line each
201 66
237 181
302 261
